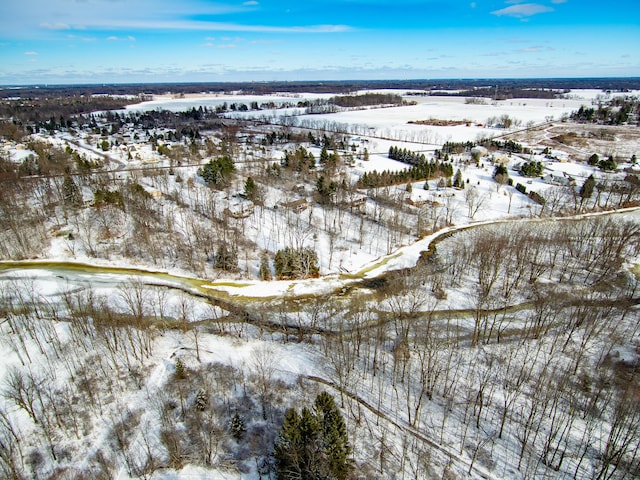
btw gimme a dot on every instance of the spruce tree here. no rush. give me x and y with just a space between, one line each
587 187
288 448
250 188
324 155
335 443
71 192
265 270
237 427
202 400
457 179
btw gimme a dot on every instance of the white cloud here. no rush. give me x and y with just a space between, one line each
217 26
523 10
128 38
55 26
530 50
31 54
250 3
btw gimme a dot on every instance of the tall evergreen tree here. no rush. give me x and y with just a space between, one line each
288 448
250 188
71 192
314 444
335 443
587 187
265 270
457 180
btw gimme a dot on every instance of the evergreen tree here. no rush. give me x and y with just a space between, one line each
250 188
531 169
295 263
181 371
265 270
218 171
237 427
587 187
287 450
457 180
335 443
202 400
71 192
324 155
608 164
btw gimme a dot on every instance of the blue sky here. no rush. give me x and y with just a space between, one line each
107 41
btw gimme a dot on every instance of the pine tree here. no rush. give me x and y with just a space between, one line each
237 427
324 155
265 270
180 369
335 442
457 179
71 192
587 187
287 450
250 188
226 258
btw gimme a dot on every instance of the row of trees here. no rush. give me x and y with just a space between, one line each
406 156
423 171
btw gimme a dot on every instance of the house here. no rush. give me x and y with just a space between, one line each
239 208
561 180
357 202
298 205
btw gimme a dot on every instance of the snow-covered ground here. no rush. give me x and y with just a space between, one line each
394 429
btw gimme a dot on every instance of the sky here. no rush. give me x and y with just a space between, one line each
126 41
